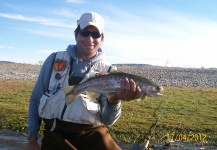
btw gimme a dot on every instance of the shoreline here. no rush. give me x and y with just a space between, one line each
164 76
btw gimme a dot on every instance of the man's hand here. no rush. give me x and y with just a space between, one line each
128 91
32 144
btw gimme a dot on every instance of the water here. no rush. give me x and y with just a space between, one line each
12 141
15 141
173 146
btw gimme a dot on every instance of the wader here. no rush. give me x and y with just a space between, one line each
81 136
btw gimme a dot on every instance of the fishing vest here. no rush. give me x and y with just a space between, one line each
53 104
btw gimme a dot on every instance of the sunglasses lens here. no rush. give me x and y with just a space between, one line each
86 33
95 35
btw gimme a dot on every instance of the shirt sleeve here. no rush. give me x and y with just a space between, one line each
41 86
109 112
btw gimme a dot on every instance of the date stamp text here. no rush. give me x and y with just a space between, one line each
187 137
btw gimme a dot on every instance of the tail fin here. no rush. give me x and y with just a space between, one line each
70 97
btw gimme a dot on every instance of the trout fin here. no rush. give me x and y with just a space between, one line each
143 97
68 89
111 94
114 72
69 96
92 95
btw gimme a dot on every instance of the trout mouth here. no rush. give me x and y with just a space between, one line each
159 94
159 89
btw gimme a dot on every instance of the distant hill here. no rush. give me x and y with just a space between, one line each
118 65
139 65
6 62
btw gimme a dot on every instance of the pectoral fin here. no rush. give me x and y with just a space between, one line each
92 95
111 94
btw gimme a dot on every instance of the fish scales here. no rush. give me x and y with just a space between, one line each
102 84
111 83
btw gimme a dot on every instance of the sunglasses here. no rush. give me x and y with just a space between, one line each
86 33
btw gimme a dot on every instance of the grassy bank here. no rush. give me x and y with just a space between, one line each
187 110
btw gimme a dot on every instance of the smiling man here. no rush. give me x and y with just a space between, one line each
81 124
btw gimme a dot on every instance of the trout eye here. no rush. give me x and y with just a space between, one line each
158 88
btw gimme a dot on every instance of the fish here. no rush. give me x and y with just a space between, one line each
110 84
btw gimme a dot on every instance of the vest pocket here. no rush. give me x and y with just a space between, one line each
93 108
50 107
42 103
83 111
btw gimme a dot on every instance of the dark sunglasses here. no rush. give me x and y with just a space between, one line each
86 33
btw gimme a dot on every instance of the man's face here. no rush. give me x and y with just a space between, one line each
88 46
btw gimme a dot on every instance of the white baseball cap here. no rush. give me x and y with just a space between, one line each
93 19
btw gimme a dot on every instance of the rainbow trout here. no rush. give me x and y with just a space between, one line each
110 84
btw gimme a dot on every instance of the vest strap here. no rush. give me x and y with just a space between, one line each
54 124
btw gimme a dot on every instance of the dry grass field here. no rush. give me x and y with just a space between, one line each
189 110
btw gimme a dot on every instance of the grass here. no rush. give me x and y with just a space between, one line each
187 110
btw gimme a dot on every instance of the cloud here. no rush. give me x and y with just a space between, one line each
10 6
6 47
178 39
158 23
40 20
47 51
65 13
75 1
3 58
64 31
53 33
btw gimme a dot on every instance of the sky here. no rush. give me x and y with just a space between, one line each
173 33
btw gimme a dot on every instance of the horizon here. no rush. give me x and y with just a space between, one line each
116 64
155 32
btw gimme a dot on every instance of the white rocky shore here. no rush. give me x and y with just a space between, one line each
165 76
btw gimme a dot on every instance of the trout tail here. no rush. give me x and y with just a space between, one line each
70 97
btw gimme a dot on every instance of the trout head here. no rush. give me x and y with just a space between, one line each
154 91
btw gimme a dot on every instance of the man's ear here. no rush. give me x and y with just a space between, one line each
76 37
102 37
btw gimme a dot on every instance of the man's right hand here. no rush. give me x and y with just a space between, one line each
128 91
33 144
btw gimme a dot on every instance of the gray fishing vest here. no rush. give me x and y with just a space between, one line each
53 102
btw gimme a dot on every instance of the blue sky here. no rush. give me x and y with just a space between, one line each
177 33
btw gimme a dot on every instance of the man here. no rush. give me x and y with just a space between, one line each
81 124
